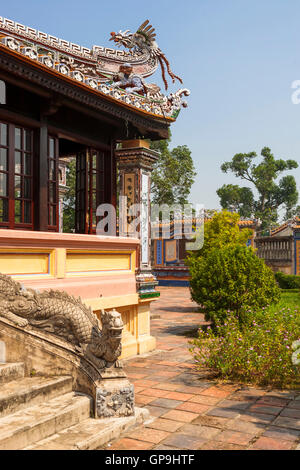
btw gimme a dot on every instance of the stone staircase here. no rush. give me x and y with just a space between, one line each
44 413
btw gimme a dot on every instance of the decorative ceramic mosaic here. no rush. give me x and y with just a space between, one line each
97 67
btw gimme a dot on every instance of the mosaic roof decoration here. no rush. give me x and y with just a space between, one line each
97 67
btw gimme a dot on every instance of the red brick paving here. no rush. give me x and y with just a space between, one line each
192 411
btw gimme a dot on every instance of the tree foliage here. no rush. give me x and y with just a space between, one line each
232 279
69 198
226 275
173 174
272 196
220 231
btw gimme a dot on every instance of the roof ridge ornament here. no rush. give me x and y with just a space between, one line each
143 41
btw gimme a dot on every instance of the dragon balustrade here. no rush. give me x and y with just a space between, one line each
96 346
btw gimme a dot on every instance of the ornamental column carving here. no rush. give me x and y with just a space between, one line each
135 162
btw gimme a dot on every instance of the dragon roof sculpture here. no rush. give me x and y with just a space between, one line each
96 68
143 42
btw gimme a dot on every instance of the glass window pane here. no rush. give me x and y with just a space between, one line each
100 181
52 192
27 188
27 141
18 187
100 162
18 161
53 215
27 212
3 184
94 181
94 161
27 164
18 133
51 148
3 134
3 210
18 212
3 159
52 169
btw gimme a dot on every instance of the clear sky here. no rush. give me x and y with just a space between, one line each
238 58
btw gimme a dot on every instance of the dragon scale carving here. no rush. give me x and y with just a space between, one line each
65 316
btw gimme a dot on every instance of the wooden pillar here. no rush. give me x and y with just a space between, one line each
43 176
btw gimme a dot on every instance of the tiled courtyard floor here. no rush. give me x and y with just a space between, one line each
193 412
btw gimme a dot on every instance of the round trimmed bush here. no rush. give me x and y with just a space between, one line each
232 279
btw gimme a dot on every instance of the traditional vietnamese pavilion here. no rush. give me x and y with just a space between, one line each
58 101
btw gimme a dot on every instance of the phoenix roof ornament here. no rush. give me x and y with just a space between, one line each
144 41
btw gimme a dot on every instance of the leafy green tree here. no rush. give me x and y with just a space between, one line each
272 196
173 174
69 198
220 231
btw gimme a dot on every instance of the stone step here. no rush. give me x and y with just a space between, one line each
28 426
91 433
29 391
11 371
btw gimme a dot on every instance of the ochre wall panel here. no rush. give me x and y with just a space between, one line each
95 262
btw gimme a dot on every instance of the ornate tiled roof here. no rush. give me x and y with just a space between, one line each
293 224
94 68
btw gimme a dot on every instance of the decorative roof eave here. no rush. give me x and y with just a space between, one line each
292 224
26 68
104 57
58 56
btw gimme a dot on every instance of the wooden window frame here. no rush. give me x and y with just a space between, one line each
11 174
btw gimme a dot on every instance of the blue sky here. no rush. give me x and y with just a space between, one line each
238 58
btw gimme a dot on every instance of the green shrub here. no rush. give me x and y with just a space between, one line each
287 281
231 279
262 352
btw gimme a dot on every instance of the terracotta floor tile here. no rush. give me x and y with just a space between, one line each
167 373
246 426
143 400
166 403
290 423
192 390
155 392
183 441
216 392
156 411
268 443
179 396
178 415
144 383
217 445
138 389
166 386
133 375
149 435
290 413
214 421
193 407
234 437
130 444
208 401
282 433
165 425
205 432
265 409
223 413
